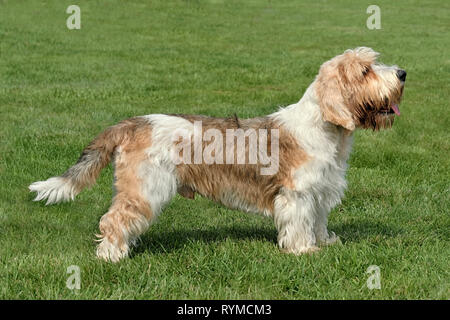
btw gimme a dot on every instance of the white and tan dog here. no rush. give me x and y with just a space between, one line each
313 141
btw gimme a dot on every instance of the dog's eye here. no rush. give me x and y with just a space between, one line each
365 71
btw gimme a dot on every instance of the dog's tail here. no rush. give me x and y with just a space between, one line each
92 160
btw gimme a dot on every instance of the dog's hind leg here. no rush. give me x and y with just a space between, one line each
137 203
143 186
128 217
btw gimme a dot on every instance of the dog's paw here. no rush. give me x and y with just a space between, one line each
301 250
109 252
332 239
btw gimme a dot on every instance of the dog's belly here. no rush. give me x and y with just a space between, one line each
235 186
228 198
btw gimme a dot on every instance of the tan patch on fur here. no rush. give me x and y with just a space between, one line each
225 183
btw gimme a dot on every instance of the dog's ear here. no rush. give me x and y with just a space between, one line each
336 78
331 102
336 113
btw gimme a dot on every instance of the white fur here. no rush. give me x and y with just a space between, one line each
157 172
111 252
388 76
55 190
159 184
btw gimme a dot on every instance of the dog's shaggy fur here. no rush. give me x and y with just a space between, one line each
314 138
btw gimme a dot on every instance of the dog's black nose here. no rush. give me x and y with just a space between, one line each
401 74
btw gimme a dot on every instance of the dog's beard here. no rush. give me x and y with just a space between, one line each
378 117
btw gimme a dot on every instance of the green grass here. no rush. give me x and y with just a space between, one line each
59 88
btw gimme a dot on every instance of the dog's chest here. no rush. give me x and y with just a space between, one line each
323 176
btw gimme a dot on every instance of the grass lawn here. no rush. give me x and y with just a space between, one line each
59 88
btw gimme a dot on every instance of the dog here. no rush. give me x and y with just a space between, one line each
310 140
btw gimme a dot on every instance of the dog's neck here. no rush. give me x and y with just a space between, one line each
320 139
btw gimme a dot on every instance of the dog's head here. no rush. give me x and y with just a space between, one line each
354 90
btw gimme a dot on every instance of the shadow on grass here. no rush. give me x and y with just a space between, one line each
172 240
350 232
163 242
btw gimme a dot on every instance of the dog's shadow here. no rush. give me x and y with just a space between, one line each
168 241
161 241
357 231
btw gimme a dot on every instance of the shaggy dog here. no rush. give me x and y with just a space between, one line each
156 156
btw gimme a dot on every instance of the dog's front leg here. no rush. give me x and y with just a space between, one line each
323 236
295 217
